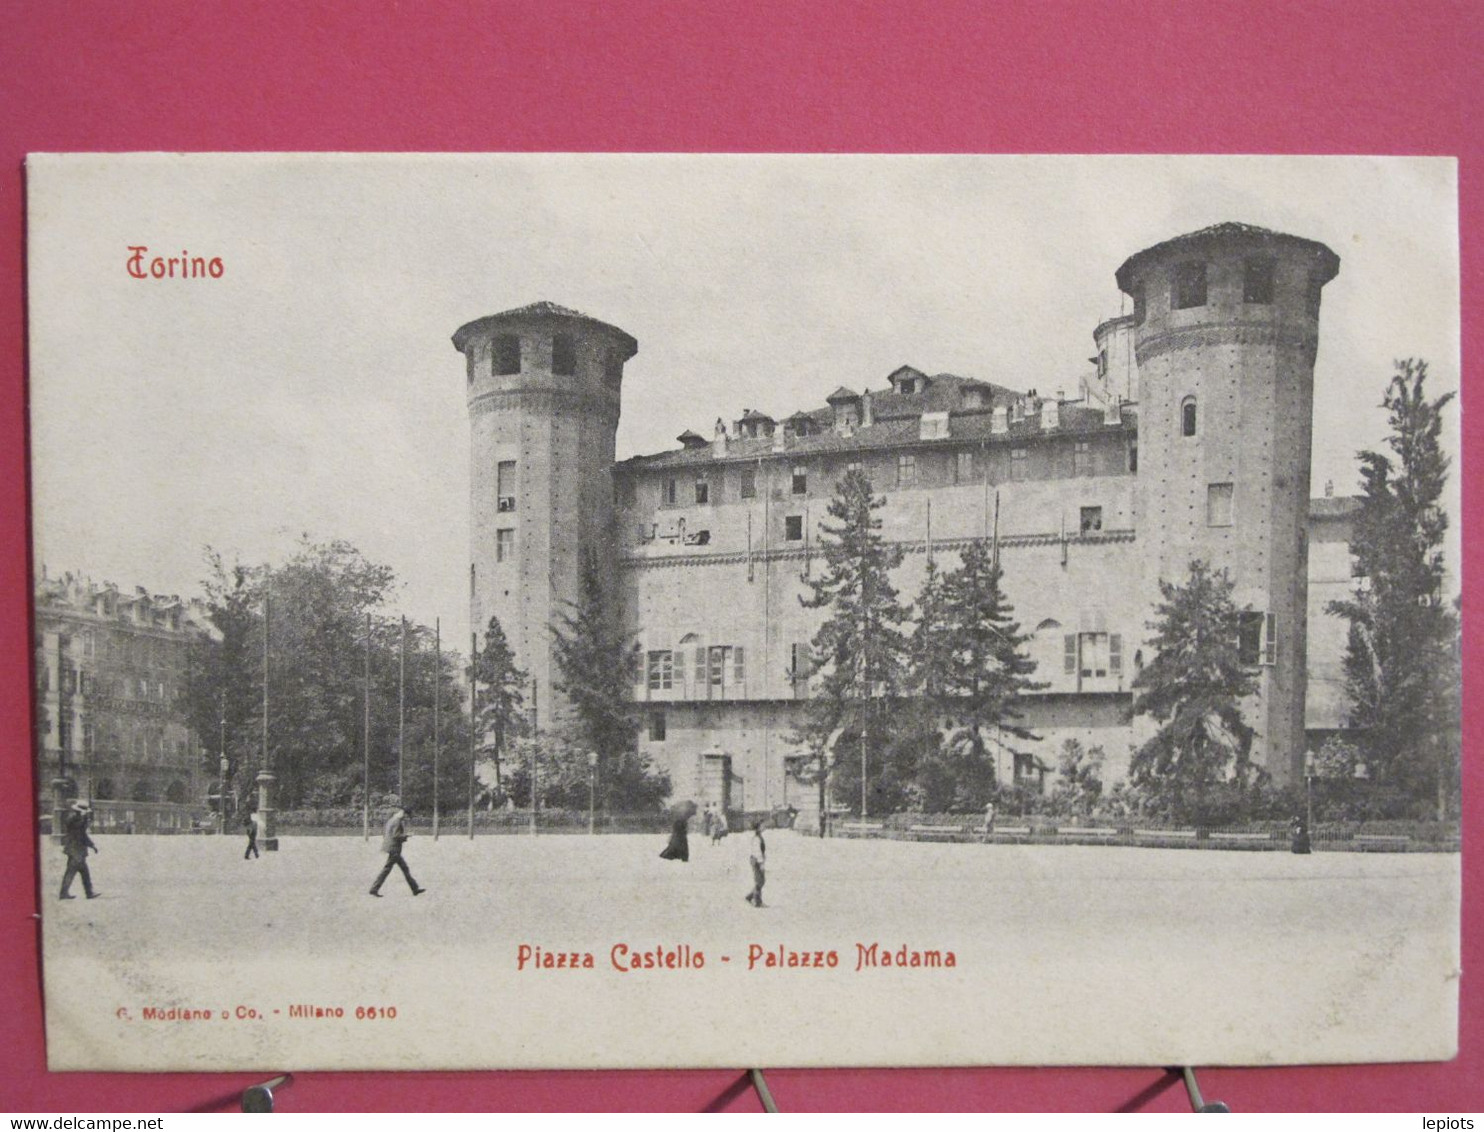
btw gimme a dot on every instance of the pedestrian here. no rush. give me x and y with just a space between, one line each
250 824
678 847
75 844
1299 830
391 844
719 828
988 820
757 856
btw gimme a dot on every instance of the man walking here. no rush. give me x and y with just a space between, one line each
757 856
391 844
76 843
250 824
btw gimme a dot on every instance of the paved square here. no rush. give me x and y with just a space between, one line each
1060 954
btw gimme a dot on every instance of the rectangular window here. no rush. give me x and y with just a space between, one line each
660 670
563 355
1219 505
1188 286
1069 654
718 665
800 480
505 544
1257 281
505 354
1082 458
656 727
1094 660
749 483
906 470
1103 363
703 491
963 467
668 491
1115 654
1249 637
1133 455
793 528
505 485
1092 519
700 669
1019 464
739 666
1270 639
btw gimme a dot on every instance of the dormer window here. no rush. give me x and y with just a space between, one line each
907 386
563 355
1188 286
505 354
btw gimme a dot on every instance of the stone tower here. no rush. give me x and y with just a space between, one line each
543 394
1226 326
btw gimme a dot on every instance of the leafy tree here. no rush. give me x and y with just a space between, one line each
318 604
501 699
859 653
593 661
1079 784
987 673
1400 662
1192 688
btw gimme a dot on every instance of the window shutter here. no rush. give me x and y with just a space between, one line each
739 667
1270 639
700 666
1070 642
1115 654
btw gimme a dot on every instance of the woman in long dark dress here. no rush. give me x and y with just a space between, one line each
678 848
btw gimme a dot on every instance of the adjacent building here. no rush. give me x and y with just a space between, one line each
111 670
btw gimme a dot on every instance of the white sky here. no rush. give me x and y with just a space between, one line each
314 388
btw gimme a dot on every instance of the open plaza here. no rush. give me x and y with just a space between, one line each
193 958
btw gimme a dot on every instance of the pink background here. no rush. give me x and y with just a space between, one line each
1069 77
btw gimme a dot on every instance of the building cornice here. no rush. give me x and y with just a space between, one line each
1206 334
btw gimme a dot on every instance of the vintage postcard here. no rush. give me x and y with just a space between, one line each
535 611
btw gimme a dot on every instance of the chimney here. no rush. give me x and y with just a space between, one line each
1000 422
719 444
867 417
1050 415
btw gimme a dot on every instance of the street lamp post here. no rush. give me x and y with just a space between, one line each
592 792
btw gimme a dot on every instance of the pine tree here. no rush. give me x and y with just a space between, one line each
859 653
988 672
1400 662
1192 689
593 663
501 698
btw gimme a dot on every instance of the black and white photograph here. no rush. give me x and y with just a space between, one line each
575 611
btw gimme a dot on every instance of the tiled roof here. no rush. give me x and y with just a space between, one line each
537 310
1222 233
896 432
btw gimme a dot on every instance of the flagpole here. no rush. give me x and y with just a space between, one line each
473 721
437 695
401 713
366 738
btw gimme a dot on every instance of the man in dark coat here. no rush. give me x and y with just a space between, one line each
76 843
250 825
391 844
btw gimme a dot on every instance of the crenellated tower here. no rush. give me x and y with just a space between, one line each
544 385
1226 328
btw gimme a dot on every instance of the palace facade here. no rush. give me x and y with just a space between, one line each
1189 437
